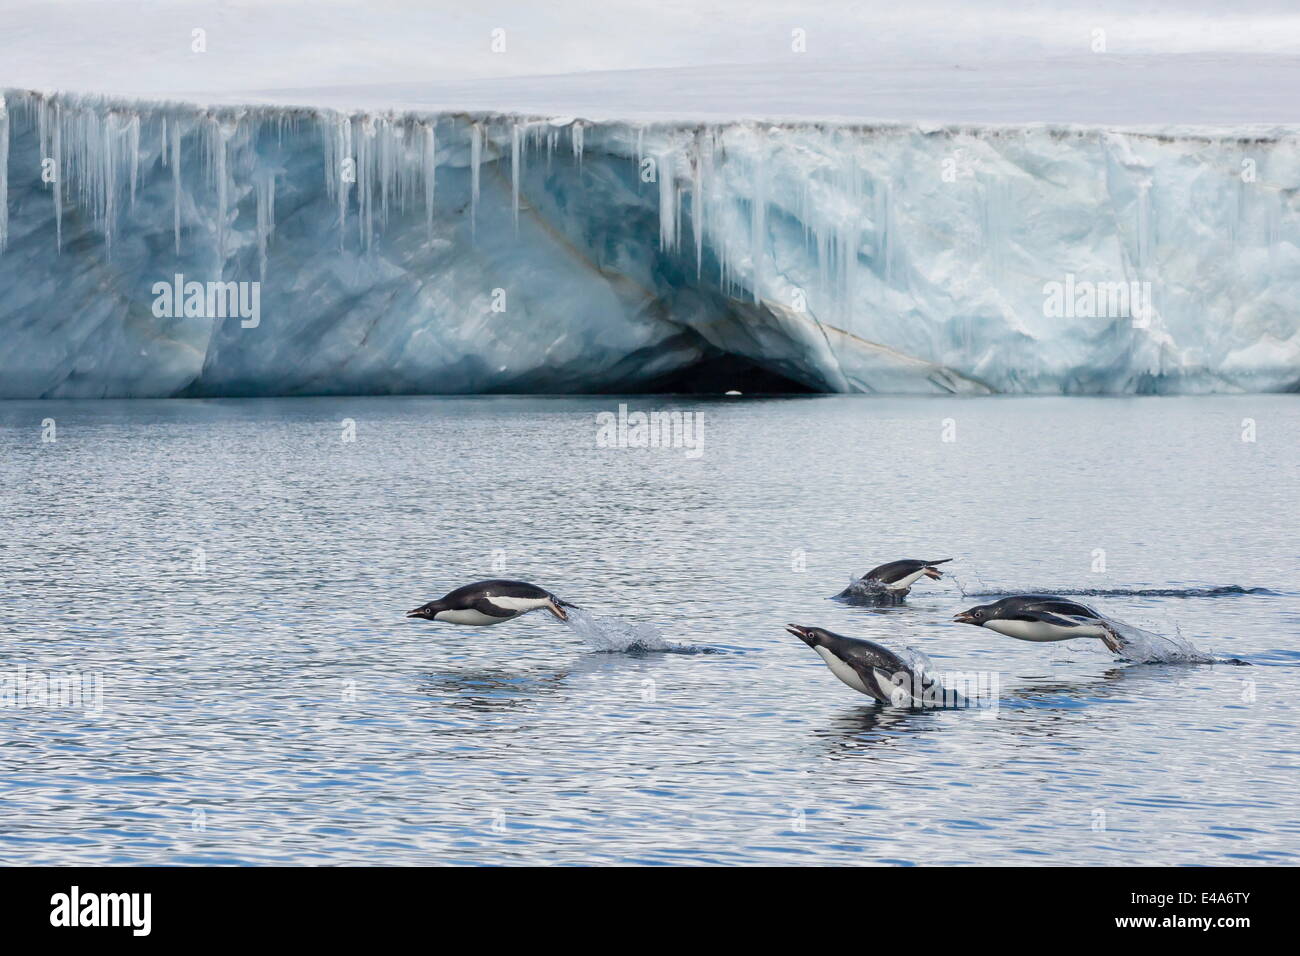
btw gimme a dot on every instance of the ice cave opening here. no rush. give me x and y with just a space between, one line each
717 373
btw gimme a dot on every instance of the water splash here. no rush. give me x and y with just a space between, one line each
612 636
930 689
917 660
1141 646
870 593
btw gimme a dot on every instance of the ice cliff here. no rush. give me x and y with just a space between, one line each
488 252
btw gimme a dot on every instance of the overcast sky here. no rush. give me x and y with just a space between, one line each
145 45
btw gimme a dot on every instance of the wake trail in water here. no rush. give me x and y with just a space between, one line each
612 636
1222 591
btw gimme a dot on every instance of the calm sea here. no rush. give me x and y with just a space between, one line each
204 659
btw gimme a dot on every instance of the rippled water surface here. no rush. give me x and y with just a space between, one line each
232 576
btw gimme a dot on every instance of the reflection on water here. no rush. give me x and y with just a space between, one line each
235 575
868 725
490 689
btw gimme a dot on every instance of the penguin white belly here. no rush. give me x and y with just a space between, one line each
470 616
842 670
1042 631
902 584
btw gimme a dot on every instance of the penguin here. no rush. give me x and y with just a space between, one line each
901 575
871 669
890 583
1042 617
485 603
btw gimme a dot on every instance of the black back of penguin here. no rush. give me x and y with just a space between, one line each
898 570
500 587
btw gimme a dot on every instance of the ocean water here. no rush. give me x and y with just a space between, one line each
225 581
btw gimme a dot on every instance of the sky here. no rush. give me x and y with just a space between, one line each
1160 62
144 46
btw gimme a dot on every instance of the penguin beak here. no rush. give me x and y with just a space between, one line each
421 612
800 632
965 617
556 608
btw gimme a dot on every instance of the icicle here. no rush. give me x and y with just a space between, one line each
176 184
56 148
109 185
218 148
758 216
133 153
697 201
343 173
329 134
365 164
576 133
677 216
43 126
4 173
385 141
515 150
265 219
430 166
162 145
667 205
475 157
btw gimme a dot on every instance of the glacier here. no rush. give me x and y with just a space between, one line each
449 252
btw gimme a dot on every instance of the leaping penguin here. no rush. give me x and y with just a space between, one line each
870 668
890 583
901 575
485 603
1042 617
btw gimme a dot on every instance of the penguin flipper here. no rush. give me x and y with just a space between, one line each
877 682
484 605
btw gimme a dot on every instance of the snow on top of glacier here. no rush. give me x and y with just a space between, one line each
1136 91
1167 62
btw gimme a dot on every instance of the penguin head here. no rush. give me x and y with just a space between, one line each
557 607
428 612
812 636
977 615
